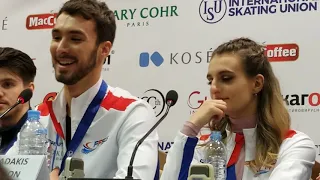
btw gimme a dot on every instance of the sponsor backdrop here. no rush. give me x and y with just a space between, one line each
164 45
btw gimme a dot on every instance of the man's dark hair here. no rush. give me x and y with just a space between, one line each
19 63
98 11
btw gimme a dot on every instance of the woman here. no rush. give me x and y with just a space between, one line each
247 107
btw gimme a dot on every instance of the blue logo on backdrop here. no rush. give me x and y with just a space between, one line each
155 58
213 11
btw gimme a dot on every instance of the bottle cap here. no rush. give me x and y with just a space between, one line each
34 113
216 135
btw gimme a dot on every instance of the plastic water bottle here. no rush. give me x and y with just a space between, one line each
216 155
33 136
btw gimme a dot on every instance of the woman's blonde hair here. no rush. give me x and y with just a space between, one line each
273 119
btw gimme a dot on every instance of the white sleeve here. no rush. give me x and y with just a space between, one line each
136 124
179 158
295 162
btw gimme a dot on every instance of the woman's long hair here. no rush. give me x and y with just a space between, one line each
273 119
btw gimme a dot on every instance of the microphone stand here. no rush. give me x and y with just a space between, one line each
130 167
8 110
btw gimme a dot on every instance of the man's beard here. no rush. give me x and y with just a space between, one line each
81 72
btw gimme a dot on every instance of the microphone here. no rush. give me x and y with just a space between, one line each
73 169
24 97
201 172
171 99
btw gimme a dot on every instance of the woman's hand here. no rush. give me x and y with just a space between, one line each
54 175
210 110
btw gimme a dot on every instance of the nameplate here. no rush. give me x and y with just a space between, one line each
25 167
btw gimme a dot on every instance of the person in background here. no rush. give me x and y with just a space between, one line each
89 119
17 72
246 106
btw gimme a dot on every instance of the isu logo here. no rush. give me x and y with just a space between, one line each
41 21
282 52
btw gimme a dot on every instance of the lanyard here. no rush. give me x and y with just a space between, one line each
84 123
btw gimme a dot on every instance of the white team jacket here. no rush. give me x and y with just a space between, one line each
120 122
296 157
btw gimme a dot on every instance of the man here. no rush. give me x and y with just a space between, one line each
17 72
90 119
